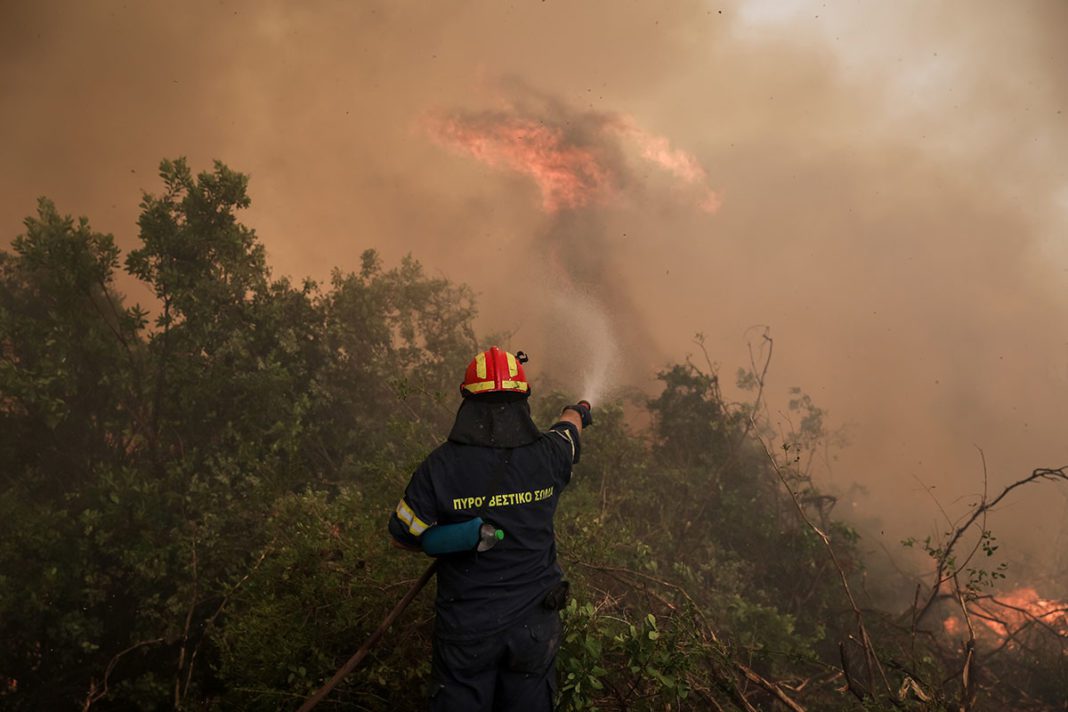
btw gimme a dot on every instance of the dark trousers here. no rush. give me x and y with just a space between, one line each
513 671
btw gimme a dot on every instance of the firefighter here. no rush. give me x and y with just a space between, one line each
483 502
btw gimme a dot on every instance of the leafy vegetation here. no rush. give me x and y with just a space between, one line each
194 500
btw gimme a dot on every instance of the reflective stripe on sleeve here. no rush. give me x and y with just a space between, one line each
405 513
416 526
566 435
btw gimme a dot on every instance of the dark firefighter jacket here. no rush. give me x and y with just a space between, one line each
514 488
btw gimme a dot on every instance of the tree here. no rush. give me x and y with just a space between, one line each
193 511
69 413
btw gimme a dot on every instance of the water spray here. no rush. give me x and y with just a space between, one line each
592 328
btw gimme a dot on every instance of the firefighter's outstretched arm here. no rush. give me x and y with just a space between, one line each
573 418
580 414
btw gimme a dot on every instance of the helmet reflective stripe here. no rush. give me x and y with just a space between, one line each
490 385
415 525
493 371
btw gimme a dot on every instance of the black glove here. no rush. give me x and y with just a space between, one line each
585 411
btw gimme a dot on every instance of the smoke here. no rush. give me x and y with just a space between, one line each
579 162
882 184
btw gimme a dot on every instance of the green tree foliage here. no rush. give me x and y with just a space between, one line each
68 410
194 500
145 469
64 338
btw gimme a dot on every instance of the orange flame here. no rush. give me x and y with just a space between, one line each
681 164
570 170
1003 616
1012 611
568 176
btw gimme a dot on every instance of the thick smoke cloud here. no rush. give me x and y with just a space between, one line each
578 161
891 190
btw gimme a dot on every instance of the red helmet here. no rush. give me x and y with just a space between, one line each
495 371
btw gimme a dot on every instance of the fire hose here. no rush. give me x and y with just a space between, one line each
360 654
472 535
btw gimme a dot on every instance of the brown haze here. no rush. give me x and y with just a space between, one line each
890 178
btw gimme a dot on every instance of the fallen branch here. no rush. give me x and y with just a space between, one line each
360 654
768 686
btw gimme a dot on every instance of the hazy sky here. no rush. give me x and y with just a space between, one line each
890 183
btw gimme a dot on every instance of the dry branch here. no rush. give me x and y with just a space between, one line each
967 677
871 659
984 506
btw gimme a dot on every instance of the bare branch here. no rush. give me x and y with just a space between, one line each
222 605
871 658
99 692
967 694
941 577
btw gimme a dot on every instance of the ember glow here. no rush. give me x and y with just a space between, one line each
572 169
1001 617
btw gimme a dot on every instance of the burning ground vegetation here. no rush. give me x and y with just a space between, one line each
195 496
1013 619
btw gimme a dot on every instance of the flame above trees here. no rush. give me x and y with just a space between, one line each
574 160
569 175
681 164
